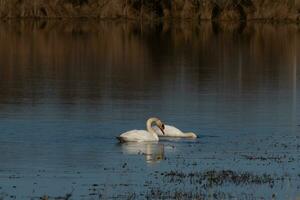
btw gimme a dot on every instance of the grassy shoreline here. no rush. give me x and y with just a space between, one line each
222 10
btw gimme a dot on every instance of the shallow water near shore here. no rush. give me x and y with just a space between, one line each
68 88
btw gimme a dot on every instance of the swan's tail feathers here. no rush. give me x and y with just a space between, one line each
121 139
191 135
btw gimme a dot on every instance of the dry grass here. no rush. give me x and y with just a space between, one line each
151 9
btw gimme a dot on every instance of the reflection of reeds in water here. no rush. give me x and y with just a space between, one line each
48 8
134 56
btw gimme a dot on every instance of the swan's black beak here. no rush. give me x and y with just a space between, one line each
162 128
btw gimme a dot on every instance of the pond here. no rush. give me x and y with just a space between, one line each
68 88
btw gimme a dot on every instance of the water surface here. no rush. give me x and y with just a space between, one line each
68 88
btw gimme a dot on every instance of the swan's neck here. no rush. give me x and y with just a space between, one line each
149 126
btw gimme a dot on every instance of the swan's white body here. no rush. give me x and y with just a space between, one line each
138 136
171 131
142 135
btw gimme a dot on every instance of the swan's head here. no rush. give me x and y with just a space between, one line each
160 125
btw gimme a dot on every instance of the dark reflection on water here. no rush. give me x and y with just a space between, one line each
103 62
67 88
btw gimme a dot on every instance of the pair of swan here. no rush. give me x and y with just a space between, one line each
152 133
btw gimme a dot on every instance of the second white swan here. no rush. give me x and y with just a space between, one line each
171 131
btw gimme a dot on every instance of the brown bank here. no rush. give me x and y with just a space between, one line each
153 9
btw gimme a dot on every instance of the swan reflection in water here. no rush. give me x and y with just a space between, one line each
153 151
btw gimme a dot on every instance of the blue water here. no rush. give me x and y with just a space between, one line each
67 89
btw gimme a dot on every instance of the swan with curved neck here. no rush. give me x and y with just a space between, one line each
141 135
171 131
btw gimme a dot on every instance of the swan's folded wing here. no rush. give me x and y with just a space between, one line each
135 135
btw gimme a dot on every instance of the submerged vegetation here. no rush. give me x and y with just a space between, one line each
212 178
153 9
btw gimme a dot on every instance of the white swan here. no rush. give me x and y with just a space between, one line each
171 131
142 135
